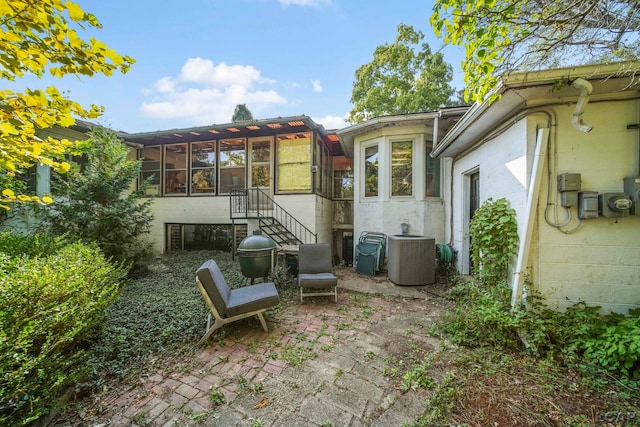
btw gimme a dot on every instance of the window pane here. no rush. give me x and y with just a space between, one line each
260 175
203 181
231 178
401 168
203 171
203 154
294 162
371 171
260 151
432 181
232 153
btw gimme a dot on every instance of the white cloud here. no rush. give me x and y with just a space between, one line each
208 93
331 122
165 84
306 2
317 87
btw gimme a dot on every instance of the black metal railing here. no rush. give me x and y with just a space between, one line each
274 220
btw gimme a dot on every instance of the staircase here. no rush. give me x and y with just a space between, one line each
273 220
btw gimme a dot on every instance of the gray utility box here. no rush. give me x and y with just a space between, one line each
411 259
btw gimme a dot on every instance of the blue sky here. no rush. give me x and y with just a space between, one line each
197 59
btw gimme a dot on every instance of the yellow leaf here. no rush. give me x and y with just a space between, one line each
8 129
75 12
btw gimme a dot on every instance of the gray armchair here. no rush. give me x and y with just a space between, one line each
315 271
228 305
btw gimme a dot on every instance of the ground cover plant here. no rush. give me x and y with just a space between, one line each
161 314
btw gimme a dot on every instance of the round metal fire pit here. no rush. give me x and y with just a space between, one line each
256 254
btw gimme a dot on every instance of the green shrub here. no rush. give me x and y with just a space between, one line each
50 307
617 348
494 240
15 245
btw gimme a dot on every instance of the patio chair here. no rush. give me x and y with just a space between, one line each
228 305
315 275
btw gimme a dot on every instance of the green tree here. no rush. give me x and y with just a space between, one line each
500 36
241 113
95 203
403 77
37 37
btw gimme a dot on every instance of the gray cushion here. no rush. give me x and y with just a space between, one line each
251 298
213 282
319 280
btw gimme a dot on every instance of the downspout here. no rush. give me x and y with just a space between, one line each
585 90
540 152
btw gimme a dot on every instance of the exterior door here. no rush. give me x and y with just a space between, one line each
260 167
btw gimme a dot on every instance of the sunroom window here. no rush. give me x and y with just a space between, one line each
294 162
342 178
402 168
203 167
151 165
175 165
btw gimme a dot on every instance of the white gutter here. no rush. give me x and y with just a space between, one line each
532 204
585 90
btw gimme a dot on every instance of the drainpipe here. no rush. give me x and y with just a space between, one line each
585 90
530 215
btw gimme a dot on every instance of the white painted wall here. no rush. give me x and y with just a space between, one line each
504 167
596 261
185 210
311 210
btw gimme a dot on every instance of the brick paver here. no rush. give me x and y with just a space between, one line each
248 357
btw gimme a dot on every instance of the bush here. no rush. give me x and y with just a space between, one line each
16 245
580 335
50 307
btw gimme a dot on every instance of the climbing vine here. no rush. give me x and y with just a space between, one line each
494 240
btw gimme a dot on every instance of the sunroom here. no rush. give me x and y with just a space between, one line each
206 181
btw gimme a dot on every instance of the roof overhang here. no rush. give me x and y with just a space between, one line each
443 118
520 91
240 129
